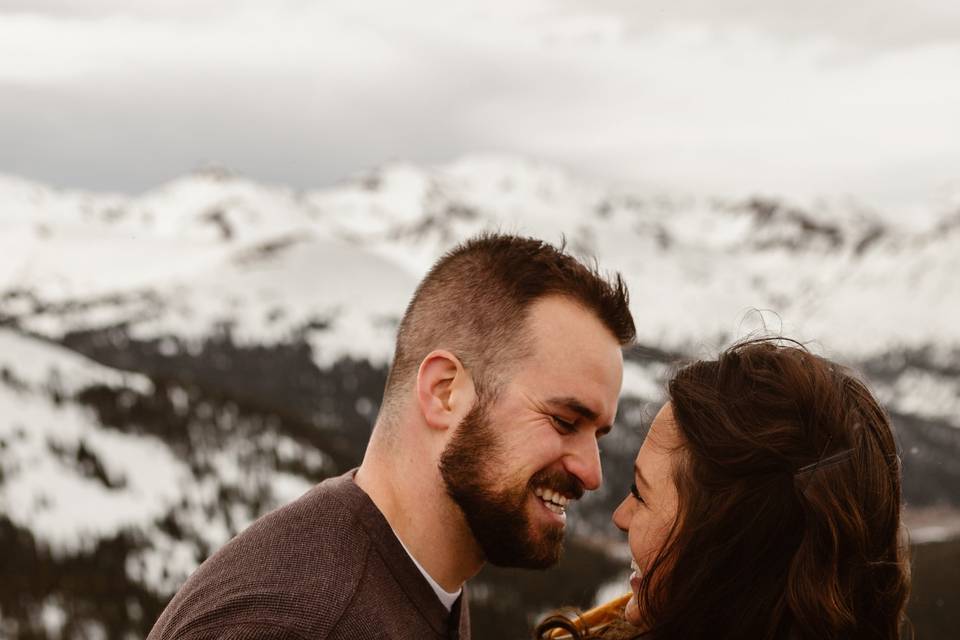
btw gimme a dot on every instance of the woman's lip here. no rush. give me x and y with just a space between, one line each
635 582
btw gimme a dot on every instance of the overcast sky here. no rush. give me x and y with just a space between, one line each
727 97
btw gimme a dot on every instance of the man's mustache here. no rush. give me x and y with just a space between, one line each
559 482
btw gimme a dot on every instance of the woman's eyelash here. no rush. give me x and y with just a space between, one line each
635 492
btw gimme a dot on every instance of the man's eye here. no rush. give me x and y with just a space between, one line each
635 492
563 425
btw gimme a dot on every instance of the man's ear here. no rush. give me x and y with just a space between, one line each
445 390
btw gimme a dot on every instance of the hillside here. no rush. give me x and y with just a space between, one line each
174 364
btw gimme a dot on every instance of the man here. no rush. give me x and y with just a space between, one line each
507 370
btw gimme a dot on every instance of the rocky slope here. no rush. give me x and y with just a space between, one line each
174 364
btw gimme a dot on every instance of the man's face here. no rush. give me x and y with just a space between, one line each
513 464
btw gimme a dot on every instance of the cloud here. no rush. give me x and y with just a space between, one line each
877 24
153 9
297 92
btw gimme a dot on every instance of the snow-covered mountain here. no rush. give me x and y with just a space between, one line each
173 364
861 282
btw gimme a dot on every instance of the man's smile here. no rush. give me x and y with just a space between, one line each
554 501
553 498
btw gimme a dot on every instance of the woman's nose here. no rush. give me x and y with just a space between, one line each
621 516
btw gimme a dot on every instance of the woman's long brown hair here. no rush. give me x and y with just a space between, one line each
789 517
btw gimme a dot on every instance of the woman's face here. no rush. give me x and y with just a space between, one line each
649 510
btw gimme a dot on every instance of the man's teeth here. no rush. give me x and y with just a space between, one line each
554 500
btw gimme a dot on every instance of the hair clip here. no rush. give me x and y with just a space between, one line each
821 462
840 456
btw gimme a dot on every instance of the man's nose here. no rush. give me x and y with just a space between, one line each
583 461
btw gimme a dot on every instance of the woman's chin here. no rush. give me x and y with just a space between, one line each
632 610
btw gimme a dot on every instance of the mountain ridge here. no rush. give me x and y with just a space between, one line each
186 359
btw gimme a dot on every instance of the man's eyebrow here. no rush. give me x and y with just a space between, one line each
639 474
585 412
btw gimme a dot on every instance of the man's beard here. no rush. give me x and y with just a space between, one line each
498 519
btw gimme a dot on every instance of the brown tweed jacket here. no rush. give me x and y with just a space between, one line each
324 567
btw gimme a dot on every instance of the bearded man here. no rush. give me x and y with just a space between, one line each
507 371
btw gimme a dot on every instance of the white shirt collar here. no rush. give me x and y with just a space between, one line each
446 597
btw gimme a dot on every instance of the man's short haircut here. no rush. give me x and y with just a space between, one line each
475 300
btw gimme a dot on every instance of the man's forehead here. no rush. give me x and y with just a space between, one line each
572 356
559 327
552 314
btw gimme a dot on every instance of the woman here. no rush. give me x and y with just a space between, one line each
765 505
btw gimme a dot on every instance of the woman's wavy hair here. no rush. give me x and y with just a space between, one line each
789 510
